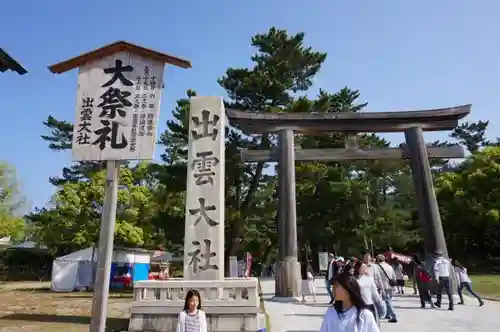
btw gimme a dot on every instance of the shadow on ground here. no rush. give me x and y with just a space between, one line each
112 324
312 304
124 291
305 315
407 307
31 290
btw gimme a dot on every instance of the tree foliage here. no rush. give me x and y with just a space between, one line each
11 224
345 207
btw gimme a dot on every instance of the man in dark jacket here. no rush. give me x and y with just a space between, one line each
423 280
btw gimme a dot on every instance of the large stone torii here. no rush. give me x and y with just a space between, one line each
412 123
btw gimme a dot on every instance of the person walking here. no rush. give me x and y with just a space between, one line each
465 282
373 270
307 281
330 273
422 281
414 274
388 281
400 280
368 289
442 267
349 312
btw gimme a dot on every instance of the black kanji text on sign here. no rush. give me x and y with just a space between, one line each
114 103
109 133
117 73
84 127
207 127
200 256
203 168
201 212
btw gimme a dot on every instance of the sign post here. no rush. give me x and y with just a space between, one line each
105 248
118 99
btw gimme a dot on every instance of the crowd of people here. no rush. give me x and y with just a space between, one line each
361 290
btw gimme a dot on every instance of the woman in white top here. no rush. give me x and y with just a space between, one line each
349 312
400 277
464 282
192 318
307 281
368 288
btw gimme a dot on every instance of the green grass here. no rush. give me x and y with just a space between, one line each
263 309
486 285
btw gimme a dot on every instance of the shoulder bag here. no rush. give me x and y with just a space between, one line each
392 282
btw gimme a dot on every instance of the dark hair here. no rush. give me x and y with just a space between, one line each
350 284
357 267
347 267
417 259
458 264
189 296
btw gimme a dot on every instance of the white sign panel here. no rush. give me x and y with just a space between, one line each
118 105
323 261
233 266
204 229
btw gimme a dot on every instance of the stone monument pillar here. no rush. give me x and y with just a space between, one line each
204 230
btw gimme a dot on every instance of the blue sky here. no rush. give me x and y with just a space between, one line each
399 54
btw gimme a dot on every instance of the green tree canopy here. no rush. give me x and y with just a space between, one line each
11 224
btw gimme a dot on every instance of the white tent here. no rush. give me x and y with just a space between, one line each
75 270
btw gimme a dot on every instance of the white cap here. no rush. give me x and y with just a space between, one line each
341 259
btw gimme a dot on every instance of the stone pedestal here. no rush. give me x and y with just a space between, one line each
288 281
231 305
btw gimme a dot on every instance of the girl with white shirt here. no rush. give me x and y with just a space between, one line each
349 312
192 318
400 280
368 288
464 282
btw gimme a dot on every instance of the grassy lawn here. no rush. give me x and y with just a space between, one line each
34 307
487 285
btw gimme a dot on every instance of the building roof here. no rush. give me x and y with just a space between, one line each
8 63
120 46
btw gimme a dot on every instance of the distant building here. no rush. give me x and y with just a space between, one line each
6 242
8 63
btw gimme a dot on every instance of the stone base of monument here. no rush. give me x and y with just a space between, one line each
288 281
231 305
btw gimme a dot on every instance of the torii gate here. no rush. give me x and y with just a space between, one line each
412 123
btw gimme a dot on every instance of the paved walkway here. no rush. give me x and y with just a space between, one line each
297 317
